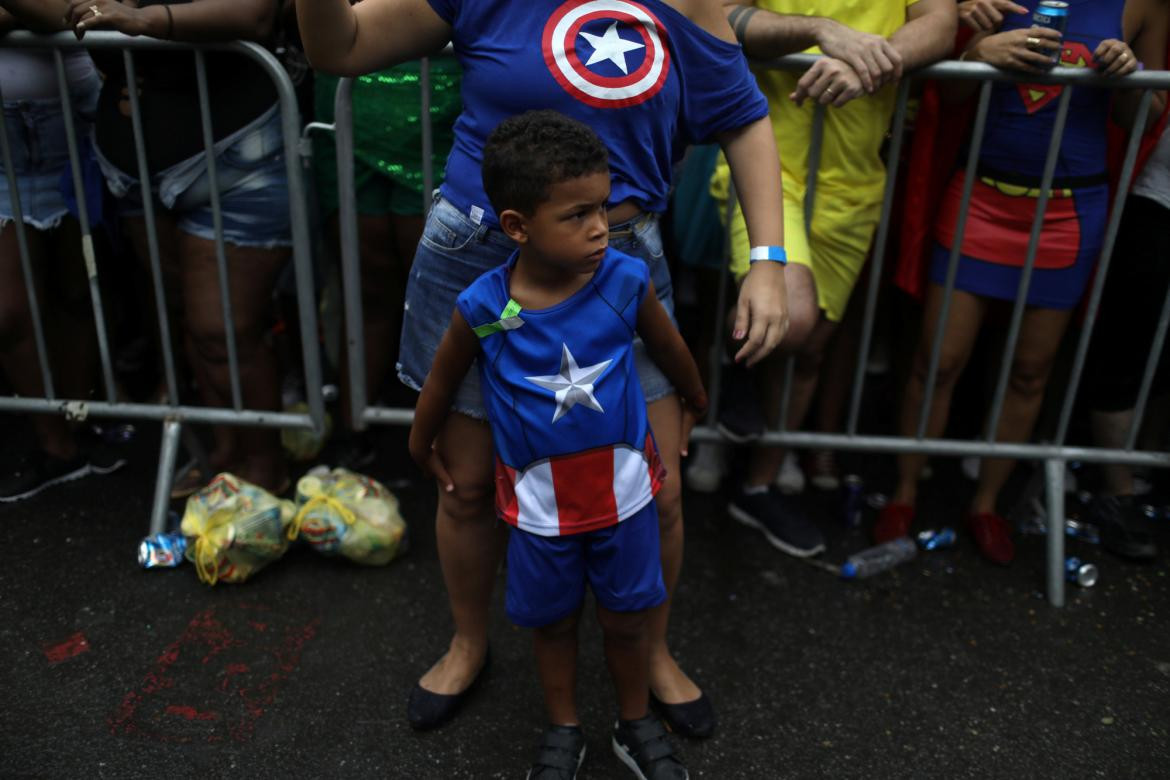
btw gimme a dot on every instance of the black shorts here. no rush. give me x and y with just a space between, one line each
1135 292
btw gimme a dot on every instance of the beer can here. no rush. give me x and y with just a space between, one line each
1052 14
934 540
853 497
165 550
1083 574
1079 529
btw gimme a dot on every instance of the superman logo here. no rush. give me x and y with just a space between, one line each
1036 96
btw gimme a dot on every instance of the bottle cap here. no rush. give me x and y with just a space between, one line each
848 570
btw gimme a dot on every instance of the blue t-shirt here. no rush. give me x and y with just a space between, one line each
573 446
643 76
1021 116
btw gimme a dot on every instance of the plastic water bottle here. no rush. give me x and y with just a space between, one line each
884 556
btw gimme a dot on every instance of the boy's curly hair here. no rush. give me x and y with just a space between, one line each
526 154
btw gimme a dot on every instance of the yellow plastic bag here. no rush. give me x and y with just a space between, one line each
343 513
238 529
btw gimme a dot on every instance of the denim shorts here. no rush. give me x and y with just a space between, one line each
40 154
454 252
253 187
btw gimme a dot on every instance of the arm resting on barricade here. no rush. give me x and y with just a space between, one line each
761 315
1146 23
199 20
929 33
346 40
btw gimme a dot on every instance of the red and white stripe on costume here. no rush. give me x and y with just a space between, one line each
585 491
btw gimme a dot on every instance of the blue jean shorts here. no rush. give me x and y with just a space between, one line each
454 252
40 154
621 564
253 187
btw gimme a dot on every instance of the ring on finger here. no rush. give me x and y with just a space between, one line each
1032 41
95 10
1124 55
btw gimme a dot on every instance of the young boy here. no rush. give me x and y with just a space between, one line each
576 464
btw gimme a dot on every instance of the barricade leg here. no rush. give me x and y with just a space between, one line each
172 429
1054 484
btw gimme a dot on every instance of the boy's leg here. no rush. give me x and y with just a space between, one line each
555 647
627 653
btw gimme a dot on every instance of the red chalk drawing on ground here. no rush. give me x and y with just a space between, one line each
216 680
72 647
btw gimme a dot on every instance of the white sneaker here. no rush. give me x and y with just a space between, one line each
706 467
790 480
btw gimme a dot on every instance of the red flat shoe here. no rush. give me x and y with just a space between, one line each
993 535
893 522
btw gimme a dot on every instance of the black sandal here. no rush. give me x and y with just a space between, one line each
645 748
562 749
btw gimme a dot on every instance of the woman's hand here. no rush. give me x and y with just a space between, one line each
1029 49
987 15
124 17
761 315
829 82
1115 58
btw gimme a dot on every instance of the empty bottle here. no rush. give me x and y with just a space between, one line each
876 559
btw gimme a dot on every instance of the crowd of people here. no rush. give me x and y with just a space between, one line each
537 209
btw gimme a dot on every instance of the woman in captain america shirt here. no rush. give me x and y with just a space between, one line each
650 77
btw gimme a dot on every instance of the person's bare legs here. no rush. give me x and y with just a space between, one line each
966 315
555 648
1040 334
627 656
471 543
258 456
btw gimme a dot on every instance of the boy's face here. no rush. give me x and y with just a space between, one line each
570 229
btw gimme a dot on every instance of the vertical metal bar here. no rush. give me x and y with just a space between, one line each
879 256
95 292
717 346
351 274
953 260
1029 263
225 294
814 164
427 129
34 304
166 467
1102 271
164 325
1139 409
1054 484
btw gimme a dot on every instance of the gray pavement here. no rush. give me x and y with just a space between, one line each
946 667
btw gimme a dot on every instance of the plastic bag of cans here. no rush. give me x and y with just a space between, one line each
340 512
235 529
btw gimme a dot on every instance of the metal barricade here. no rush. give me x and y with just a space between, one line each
172 414
1054 454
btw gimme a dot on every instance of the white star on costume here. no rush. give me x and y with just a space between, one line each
611 47
573 385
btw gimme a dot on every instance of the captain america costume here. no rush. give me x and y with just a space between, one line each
645 78
576 464
574 452
1004 196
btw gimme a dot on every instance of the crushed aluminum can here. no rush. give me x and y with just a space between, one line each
1083 574
162 550
1079 529
852 488
936 540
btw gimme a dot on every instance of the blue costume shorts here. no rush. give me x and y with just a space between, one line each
547 574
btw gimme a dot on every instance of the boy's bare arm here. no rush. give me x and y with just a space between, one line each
453 358
665 346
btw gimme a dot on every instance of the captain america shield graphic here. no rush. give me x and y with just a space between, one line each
606 53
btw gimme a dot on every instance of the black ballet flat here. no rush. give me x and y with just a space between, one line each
426 710
694 719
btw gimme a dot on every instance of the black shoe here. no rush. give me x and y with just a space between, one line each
645 748
426 710
694 719
39 471
562 749
780 518
1125 528
741 418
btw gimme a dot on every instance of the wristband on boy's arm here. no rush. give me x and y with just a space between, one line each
774 254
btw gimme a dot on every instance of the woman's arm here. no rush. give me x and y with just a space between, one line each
453 359
1146 24
36 15
761 314
353 40
199 20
